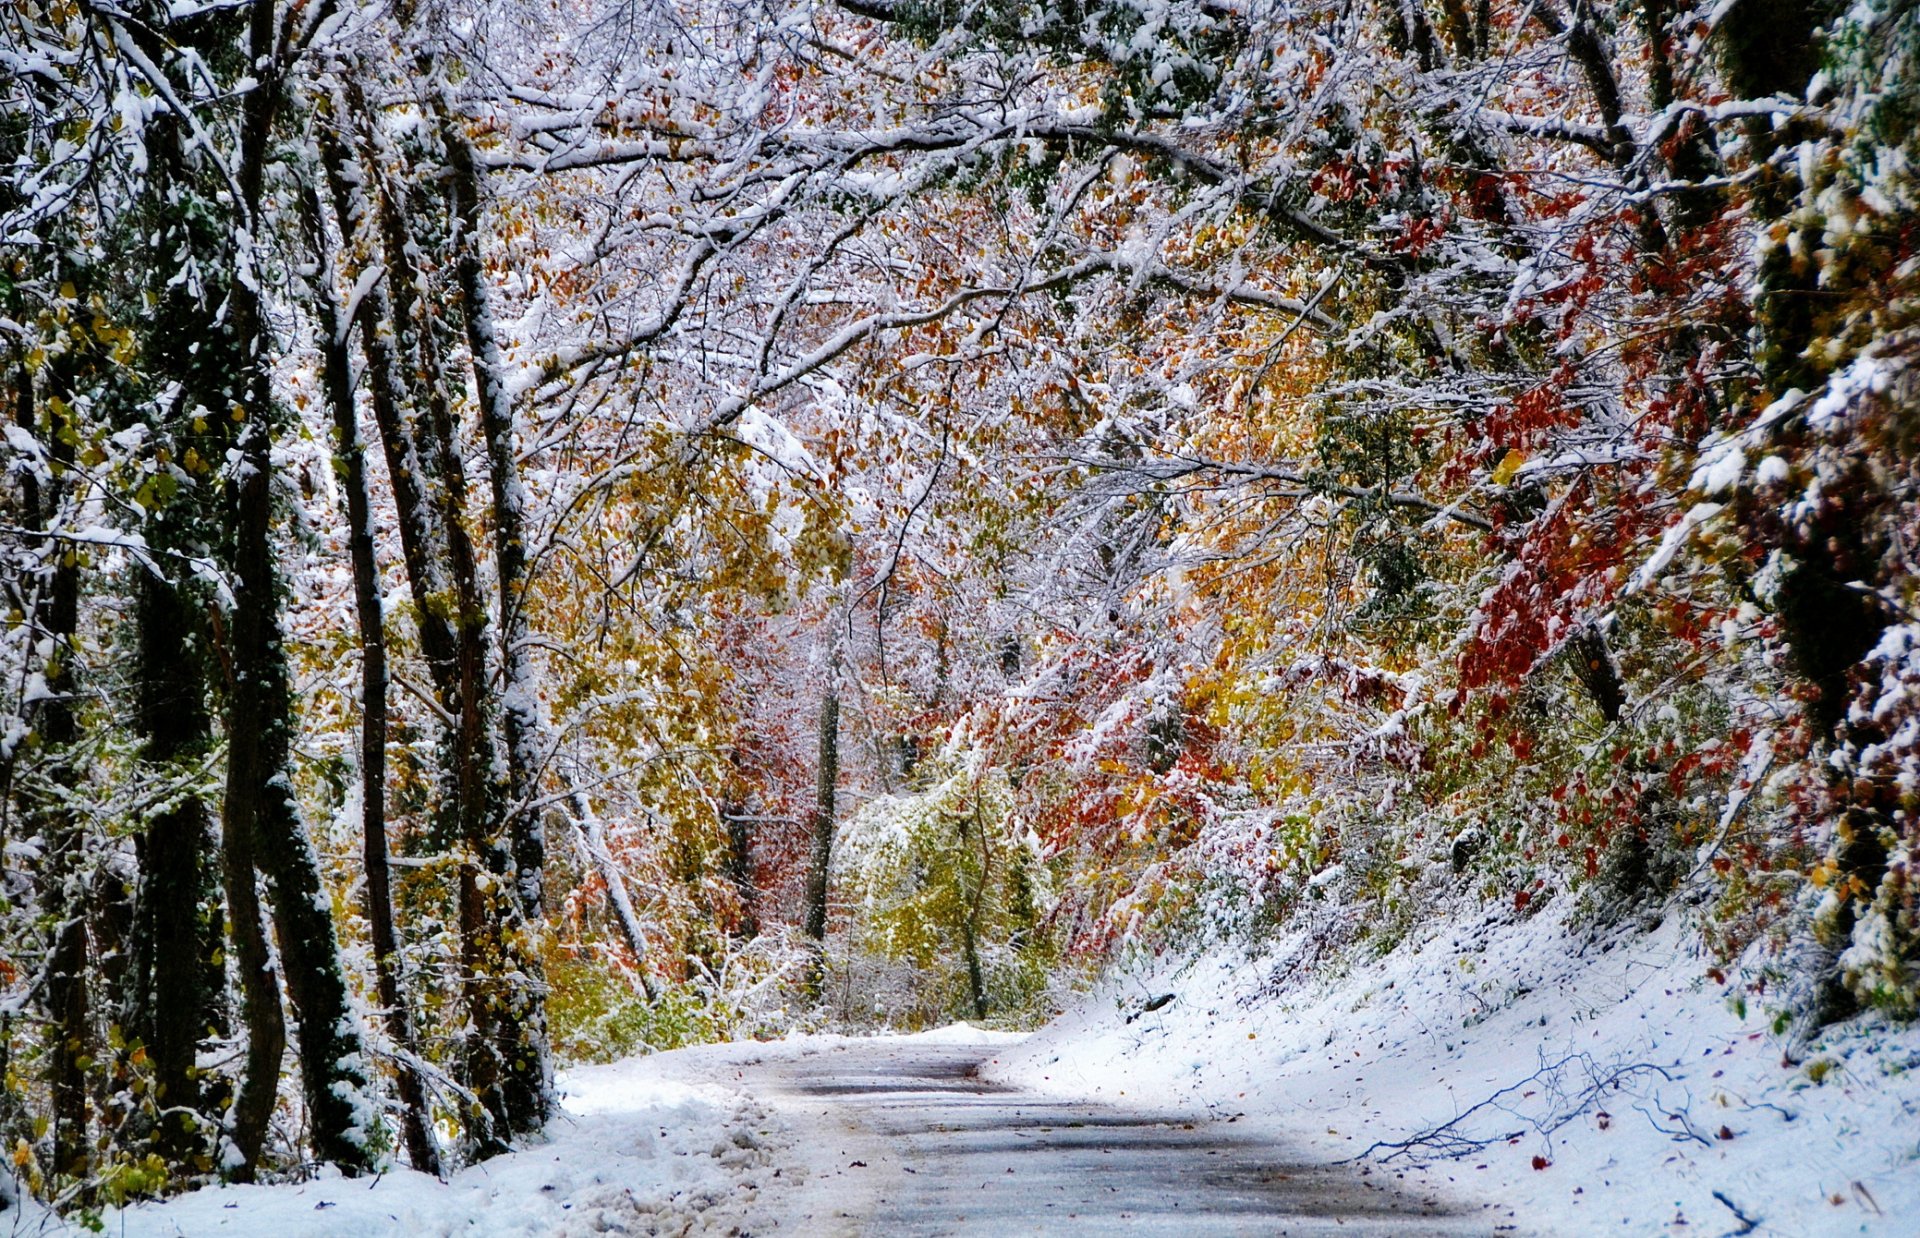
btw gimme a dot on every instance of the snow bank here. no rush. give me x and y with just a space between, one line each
967 1034
1603 1087
636 1152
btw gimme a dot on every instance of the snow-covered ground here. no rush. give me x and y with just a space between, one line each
639 1151
1597 1088
665 1145
1605 1088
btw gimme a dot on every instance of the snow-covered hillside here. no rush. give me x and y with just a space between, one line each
1573 1086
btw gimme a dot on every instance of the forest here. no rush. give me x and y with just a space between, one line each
535 532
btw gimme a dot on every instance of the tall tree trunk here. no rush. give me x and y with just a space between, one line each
505 1060
422 461
261 815
530 1073
825 788
377 894
260 812
259 1003
175 984
370 222
69 1037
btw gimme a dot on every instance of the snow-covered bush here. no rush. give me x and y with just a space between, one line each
946 880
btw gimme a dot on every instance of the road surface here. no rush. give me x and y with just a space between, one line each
899 1137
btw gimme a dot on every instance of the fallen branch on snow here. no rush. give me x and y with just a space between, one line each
1451 1140
1747 1224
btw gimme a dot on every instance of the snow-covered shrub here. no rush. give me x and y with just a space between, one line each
947 880
599 1015
1881 966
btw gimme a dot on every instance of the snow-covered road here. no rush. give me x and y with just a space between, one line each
831 1135
898 1136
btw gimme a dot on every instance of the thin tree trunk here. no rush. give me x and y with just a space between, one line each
825 789
591 837
529 1066
367 222
423 457
259 1004
519 714
976 983
970 927
69 1037
377 894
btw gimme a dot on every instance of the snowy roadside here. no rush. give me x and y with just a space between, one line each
670 1144
636 1152
1626 1096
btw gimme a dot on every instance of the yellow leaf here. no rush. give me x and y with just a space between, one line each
1508 466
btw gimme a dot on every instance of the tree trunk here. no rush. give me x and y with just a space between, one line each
976 983
261 815
260 812
369 222
976 902
259 1004
529 1079
69 1037
504 1060
175 984
377 894
823 823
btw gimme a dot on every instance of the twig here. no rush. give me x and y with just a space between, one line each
1747 1224
1448 1142
1685 1130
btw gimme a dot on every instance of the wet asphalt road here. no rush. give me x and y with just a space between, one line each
929 1148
